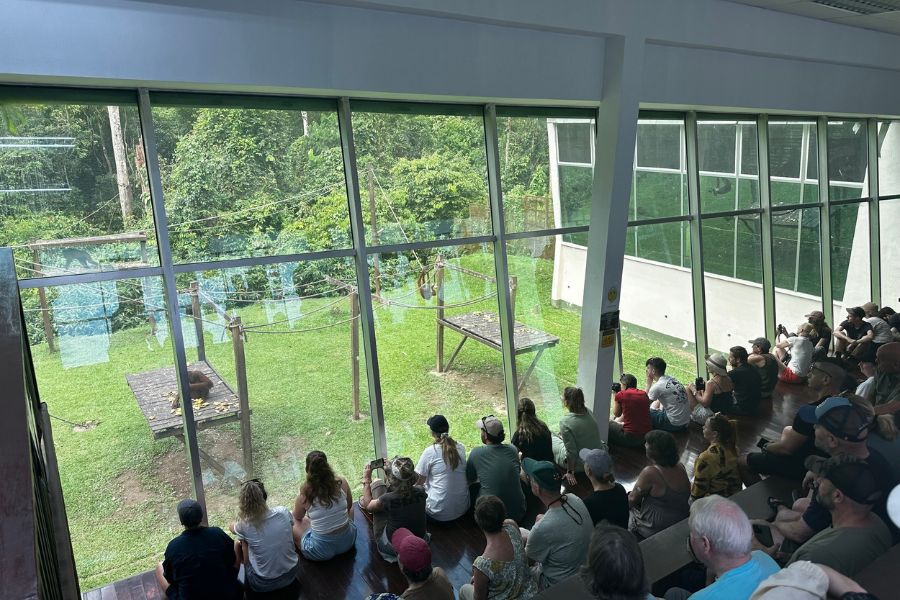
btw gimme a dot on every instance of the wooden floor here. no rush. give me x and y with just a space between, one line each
362 571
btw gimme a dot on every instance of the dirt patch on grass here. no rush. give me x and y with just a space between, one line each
484 386
132 491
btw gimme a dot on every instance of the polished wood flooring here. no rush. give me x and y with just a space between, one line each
362 571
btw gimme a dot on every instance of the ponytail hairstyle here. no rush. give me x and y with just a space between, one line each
530 427
321 484
724 429
573 398
252 502
448 450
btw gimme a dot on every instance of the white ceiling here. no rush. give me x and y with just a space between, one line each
888 22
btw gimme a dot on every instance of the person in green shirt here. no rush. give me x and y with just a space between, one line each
495 467
577 430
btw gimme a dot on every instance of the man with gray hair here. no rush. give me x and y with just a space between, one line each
720 538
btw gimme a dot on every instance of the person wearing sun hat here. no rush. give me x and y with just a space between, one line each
559 540
442 470
848 488
717 395
494 468
396 502
425 582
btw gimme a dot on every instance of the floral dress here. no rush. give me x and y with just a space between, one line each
512 579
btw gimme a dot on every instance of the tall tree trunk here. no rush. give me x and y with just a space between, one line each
508 138
305 116
140 165
122 180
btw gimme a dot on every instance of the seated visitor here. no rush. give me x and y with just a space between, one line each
323 512
608 501
614 570
803 580
766 366
442 470
669 410
821 334
894 321
720 538
424 581
887 380
266 543
200 563
501 572
577 430
866 389
746 381
854 335
717 393
785 457
395 503
801 351
632 414
532 436
881 330
847 487
495 467
716 468
841 429
558 542
659 498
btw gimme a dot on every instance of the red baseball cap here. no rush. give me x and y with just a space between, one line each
412 551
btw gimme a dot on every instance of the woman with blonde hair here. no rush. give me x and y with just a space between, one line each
716 469
323 512
442 470
395 502
265 542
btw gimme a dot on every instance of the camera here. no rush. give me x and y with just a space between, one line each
781 329
378 463
699 384
617 387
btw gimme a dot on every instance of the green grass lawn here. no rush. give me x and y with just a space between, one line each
121 486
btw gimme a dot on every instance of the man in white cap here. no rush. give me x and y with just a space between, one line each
495 466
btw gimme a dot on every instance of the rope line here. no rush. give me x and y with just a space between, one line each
307 329
319 309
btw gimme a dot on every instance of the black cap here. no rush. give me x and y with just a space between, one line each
854 477
190 513
848 423
762 343
438 424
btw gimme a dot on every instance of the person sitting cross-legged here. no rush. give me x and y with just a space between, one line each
766 366
716 468
397 502
886 392
559 540
614 570
717 394
323 512
632 414
532 437
669 408
199 564
609 500
501 572
442 470
847 487
747 383
659 498
265 545
494 468
577 430
853 337
424 581
801 353
720 537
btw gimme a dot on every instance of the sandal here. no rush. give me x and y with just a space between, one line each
774 503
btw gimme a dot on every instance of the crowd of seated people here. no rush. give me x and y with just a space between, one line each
587 545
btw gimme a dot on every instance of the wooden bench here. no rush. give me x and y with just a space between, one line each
879 578
666 552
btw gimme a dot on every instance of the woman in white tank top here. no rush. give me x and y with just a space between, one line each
323 512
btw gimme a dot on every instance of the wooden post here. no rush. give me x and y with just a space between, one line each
439 284
197 315
42 296
354 350
240 371
513 286
373 223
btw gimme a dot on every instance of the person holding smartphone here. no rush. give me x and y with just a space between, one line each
395 502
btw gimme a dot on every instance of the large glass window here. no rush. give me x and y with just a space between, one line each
850 272
796 258
659 188
240 181
422 172
727 153
649 327
793 162
888 158
890 253
74 194
107 383
847 159
438 334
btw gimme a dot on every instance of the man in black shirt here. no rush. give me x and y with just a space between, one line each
747 383
853 336
608 501
199 564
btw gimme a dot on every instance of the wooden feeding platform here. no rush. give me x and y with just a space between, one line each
484 328
153 392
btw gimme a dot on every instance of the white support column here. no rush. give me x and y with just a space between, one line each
614 144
